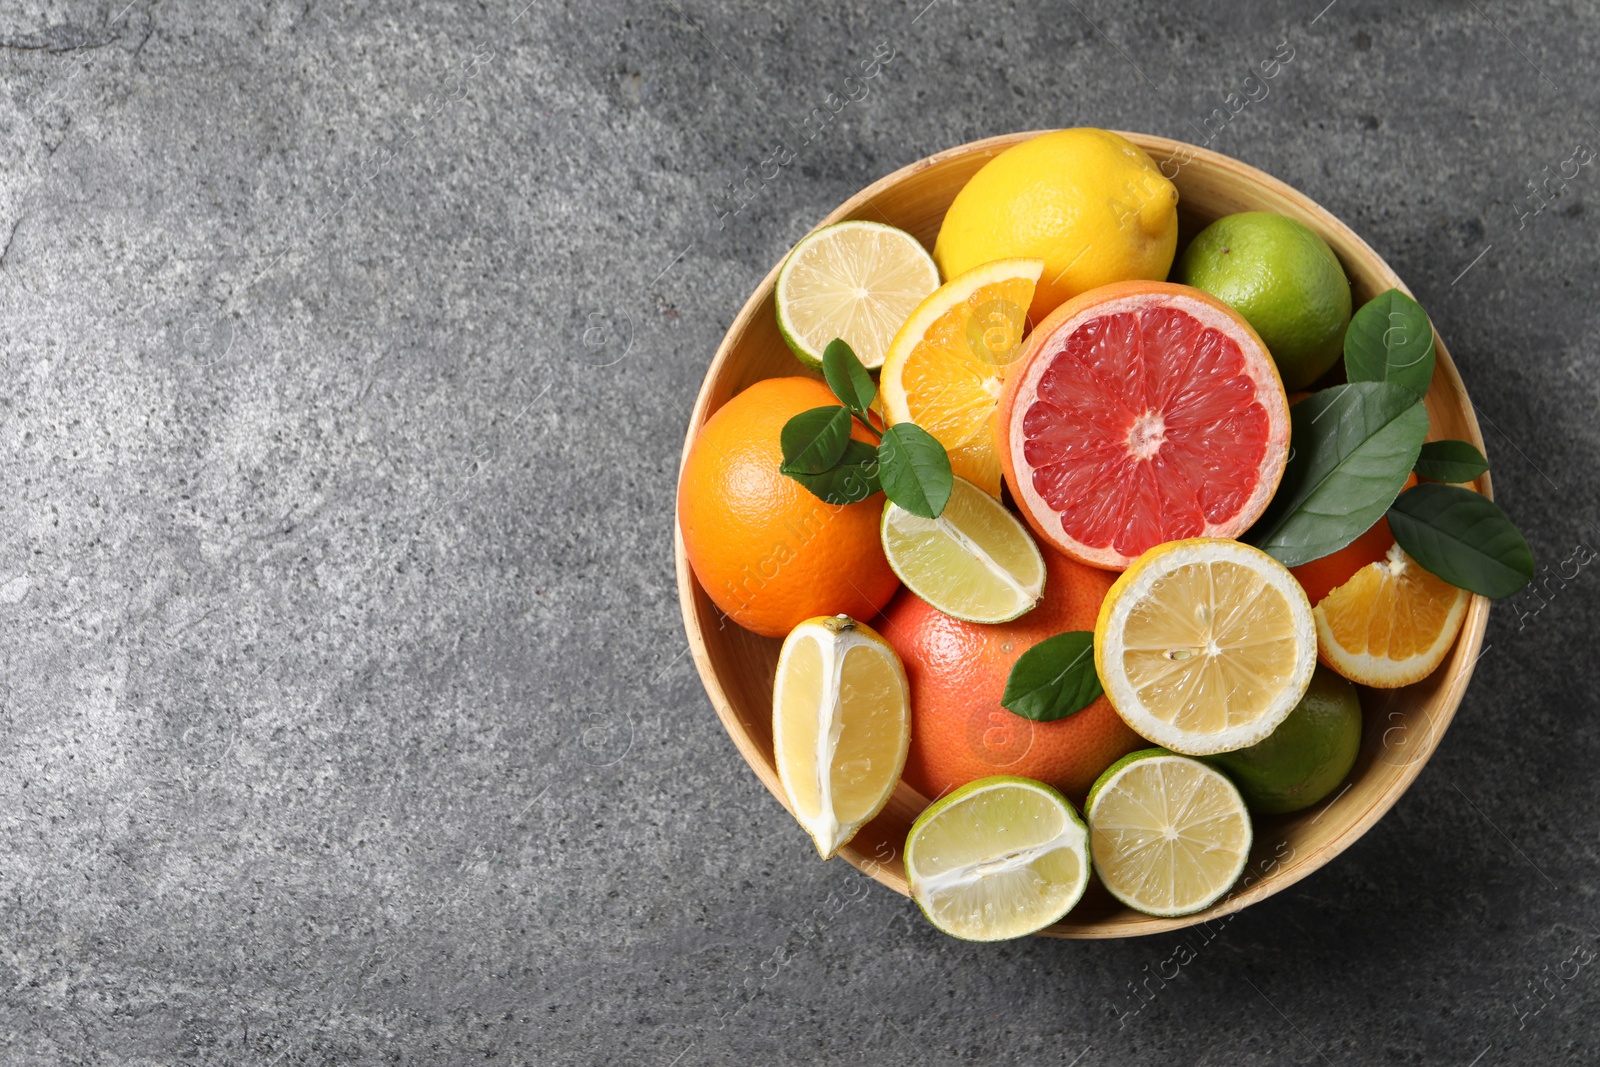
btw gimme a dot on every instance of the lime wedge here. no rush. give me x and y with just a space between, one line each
1169 834
975 561
841 724
855 280
998 858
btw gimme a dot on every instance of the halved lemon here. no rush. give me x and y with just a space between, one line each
1391 624
998 858
975 561
1169 835
1205 645
945 366
856 280
841 723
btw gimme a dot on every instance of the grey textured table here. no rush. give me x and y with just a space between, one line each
345 715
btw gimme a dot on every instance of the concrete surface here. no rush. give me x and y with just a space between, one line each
344 710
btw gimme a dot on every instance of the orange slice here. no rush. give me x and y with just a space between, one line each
1391 624
946 365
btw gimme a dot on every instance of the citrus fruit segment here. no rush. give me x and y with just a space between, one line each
1169 835
841 723
998 858
1391 624
1205 645
856 280
975 561
1139 413
945 366
1090 203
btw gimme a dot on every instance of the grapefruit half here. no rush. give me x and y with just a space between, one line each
1140 413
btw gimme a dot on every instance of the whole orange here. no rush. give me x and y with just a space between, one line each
766 551
958 670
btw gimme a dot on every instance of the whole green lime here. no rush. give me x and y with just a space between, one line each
1283 279
1307 756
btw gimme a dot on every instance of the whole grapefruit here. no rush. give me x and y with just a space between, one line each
958 670
768 552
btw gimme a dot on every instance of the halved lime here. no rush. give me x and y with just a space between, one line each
1169 834
856 280
998 858
975 561
841 724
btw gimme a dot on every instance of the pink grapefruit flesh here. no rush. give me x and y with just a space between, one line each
1139 413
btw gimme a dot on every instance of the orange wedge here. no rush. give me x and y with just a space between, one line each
1391 624
946 364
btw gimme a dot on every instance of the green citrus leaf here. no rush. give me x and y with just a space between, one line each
854 479
1463 537
914 469
1351 449
1054 678
1390 340
1450 461
814 440
847 378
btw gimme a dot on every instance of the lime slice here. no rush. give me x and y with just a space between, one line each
1169 834
855 280
841 723
975 561
998 858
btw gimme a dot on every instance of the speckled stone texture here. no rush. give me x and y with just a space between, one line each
345 715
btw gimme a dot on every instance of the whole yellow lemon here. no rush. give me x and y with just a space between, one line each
1091 204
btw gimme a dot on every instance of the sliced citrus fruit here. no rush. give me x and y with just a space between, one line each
856 280
1205 645
1142 412
998 858
1169 835
841 723
1391 624
975 561
945 367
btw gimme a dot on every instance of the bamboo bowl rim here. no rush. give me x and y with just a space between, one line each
1447 393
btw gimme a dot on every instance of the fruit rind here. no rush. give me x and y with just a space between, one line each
1075 823
1109 779
1135 583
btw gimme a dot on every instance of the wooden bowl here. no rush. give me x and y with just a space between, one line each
1401 728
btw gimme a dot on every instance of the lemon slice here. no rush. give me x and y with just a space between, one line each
855 280
998 858
1391 624
841 723
1205 645
947 363
1168 834
975 561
